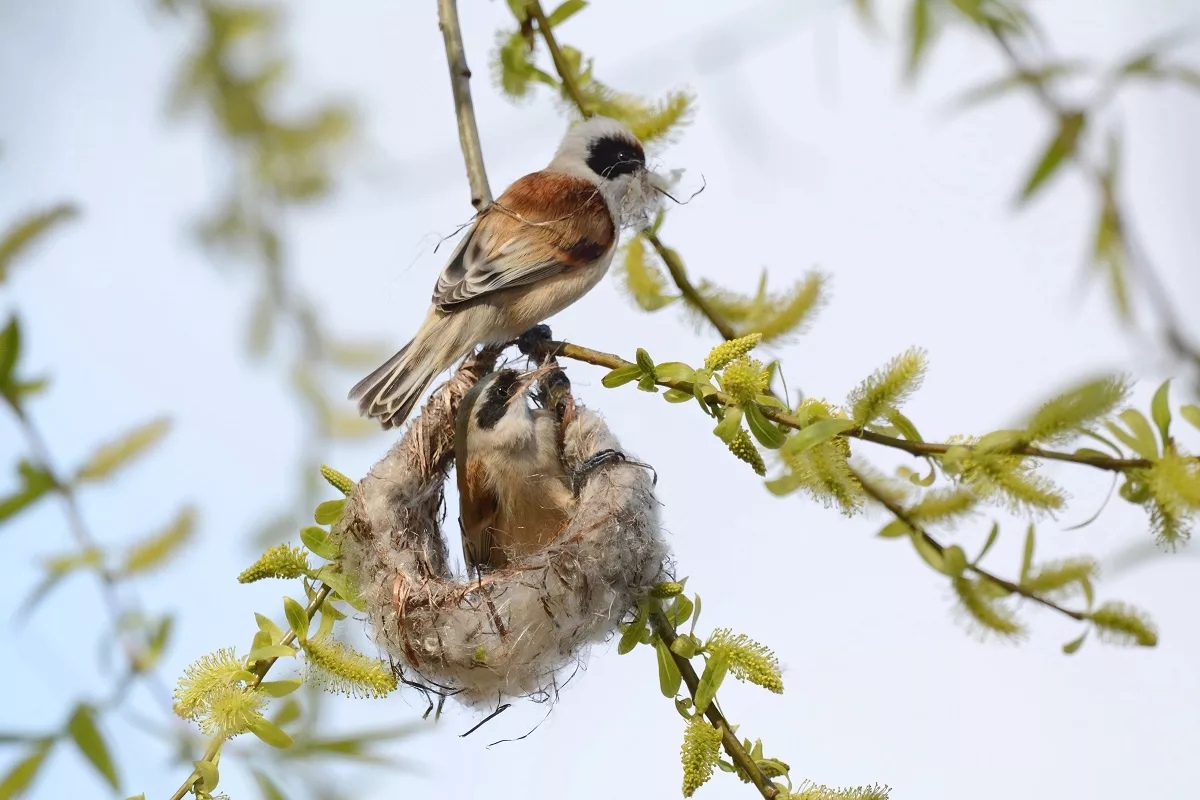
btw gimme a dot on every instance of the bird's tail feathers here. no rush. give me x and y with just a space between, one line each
390 392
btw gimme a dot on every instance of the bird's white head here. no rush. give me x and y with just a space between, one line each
605 152
500 416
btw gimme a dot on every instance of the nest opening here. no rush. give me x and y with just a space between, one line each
509 632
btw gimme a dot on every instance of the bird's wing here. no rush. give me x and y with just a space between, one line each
544 224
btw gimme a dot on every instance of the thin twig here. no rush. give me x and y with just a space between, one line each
666 632
260 672
464 109
1177 339
879 496
674 265
600 359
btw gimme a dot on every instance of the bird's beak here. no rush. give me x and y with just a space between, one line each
530 379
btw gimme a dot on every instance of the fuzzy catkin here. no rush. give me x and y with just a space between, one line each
511 636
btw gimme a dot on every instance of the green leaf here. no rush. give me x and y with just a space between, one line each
1160 411
763 429
10 349
268 788
20 236
686 646
668 671
1027 557
270 651
89 740
296 617
208 774
928 552
679 610
633 631
644 362
676 396
270 733
1074 645
111 457
341 584
621 376
993 535
281 688
675 371
21 776
816 433
1191 414
329 512
710 681
1060 148
894 530
995 89
1140 437
919 30
319 542
564 12
728 427
268 625
36 483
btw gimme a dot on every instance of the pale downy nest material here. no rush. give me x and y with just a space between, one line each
512 635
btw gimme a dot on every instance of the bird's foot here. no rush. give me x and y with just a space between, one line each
533 342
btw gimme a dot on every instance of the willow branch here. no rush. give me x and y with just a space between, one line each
600 359
260 672
669 257
737 753
82 535
464 109
1176 337
899 513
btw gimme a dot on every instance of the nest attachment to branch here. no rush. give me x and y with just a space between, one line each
511 633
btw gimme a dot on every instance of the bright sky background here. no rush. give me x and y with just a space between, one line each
814 155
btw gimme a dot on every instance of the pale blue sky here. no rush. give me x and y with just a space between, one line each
908 210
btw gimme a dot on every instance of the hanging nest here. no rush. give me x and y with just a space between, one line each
512 632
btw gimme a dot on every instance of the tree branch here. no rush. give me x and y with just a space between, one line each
264 666
670 257
737 753
464 109
899 513
1177 339
577 353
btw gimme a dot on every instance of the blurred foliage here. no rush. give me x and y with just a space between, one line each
280 159
1084 134
139 635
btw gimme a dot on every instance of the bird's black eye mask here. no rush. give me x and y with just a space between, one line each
610 156
495 399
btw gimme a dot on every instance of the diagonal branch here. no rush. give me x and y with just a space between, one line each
674 264
464 109
600 359
899 513
1177 339
666 632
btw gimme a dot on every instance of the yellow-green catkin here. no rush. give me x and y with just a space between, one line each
1122 624
726 352
337 480
281 561
341 669
203 677
232 710
742 447
744 379
748 660
701 749
666 589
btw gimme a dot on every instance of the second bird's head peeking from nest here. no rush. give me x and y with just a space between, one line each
496 410
607 154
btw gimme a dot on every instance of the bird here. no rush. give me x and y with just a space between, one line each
515 494
545 242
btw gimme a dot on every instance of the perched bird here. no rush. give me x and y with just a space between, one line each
515 496
543 244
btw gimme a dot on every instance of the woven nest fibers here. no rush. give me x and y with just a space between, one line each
511 632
